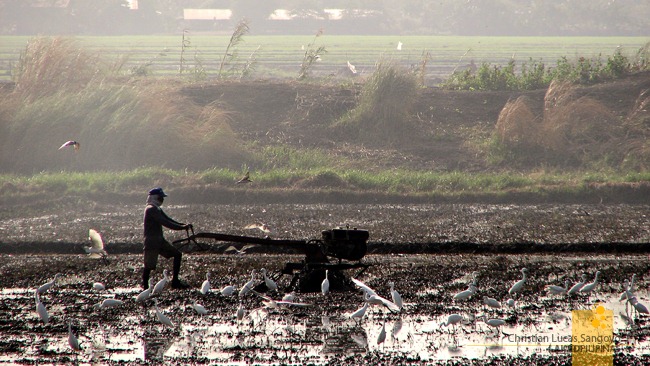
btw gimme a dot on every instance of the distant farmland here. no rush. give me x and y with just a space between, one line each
281 56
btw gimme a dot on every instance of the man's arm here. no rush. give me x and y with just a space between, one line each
168 222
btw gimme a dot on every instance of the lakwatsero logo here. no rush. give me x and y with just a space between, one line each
592 337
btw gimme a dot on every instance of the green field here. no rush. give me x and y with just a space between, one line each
280 56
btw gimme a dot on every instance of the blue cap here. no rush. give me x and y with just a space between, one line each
157 191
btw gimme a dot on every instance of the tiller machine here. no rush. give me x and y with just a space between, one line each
337 250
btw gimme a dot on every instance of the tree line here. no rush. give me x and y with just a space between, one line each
407 17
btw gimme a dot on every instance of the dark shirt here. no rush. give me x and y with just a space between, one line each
154 219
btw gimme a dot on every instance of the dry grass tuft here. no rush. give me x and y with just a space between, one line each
517 124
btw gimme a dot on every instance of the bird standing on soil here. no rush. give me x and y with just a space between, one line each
352 68
359 313
98 286
248 286
517 286
576 288
325 285
160 286
465 294
228 290
144 295
590 287
48 285
200 309
109 303
40 309
491 302
72 143
72 339
240 311
270 284
397 298
558 290
382 334
164 319
205 287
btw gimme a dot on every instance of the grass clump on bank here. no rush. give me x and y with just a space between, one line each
382 113
63 93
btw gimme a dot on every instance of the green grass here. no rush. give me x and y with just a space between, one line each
398 182
280 56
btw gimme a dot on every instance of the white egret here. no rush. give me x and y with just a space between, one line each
270 284
382 334
98 286
109 303
627 291
517 286
325 285
590 287
399 46
397 298
365 288
352 68
162 317
72 339
452 320
48 285
359 313
289 297
241 251
397 326
261 227
228 290
491 302
378 300
240 311
200 309
576 288
558 290
40 309
205 287
96 250
160 286
494 323
465 294
510 303
144 295
248 286
72 143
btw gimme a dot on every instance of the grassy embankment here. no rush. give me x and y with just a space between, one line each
139 133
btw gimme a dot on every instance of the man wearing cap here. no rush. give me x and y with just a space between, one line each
154 242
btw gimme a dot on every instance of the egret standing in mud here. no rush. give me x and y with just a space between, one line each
96 250
200 309
270 284
40 309
359 313
228 290
590 287
48 285
397 298
73 342
205 287
325 285
517 286
160 286
162 317
558 290
248 286
145 294
576 288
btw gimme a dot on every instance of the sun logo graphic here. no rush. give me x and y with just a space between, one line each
592 342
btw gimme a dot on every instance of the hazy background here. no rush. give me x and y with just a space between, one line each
404 17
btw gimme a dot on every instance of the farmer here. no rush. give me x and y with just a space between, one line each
154 242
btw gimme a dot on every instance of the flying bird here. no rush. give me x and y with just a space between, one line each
245 179
96 250
241 251
72 143
262 227
352 68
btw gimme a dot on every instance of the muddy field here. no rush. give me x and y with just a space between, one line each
430 252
